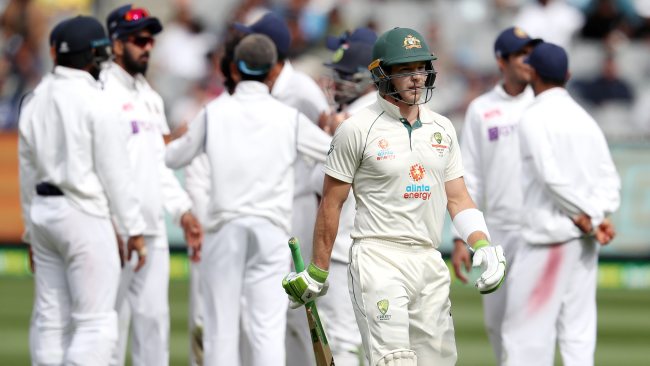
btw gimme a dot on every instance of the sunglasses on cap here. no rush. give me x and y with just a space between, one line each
141 41
136 14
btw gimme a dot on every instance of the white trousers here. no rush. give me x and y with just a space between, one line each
552 297
243 264
400 295
494 304
77 270
143 307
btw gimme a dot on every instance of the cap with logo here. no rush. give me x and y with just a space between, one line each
549 61
512 40
401 45
255 55
273 27
127 20
79 34
351 58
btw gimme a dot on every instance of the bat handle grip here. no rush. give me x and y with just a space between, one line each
298 263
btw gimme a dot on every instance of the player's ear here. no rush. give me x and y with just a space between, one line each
234 72
273 74
118 48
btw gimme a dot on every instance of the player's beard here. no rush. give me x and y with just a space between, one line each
133 66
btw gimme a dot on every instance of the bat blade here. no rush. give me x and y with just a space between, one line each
322 351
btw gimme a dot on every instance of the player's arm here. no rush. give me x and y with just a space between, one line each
182 150
27 173
471 226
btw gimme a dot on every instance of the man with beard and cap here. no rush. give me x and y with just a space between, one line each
143 296
73 175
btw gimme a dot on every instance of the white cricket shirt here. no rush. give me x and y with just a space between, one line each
67 138
251 141
397 172
489 143
566 169
142 116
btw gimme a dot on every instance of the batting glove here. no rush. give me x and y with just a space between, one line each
305 286
492 262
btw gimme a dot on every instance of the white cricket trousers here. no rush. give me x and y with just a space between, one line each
142 306
77 271
552 297
494 304
400 295
242 267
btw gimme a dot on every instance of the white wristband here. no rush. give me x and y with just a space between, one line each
468 221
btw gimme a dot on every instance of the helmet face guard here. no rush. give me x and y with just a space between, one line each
385 86
346 88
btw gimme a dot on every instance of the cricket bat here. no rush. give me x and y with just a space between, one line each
322 351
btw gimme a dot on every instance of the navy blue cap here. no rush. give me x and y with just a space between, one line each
127 20
79 34
549 61
512 40
363 34
54 34
273 27
352 58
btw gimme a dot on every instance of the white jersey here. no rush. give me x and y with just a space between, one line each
557 187
67 138
489 143
298 90
252 141
142 116
398 172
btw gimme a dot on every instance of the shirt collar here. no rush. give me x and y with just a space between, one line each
501 92
551 93
126 79
282 81
250 87
70 73
424 116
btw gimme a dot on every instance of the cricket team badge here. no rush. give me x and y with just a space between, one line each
382 305
437 143
411 42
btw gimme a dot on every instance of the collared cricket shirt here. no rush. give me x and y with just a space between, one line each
397 171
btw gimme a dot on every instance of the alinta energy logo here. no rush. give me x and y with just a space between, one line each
385 153
417 191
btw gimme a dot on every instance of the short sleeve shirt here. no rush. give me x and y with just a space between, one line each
398 172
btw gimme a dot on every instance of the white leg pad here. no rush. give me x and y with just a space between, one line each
400 357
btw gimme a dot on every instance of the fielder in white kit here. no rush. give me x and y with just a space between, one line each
570 186
74 173
403 162
251 140
489 144
143 296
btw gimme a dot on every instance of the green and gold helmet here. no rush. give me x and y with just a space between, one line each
401 46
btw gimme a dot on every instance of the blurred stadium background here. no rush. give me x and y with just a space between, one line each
609 46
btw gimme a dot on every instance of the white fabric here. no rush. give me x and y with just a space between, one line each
567 169
76 284
142 303
67 138
468 221
142 115
413 284
229 126
393 173
296 89
251 253
551 296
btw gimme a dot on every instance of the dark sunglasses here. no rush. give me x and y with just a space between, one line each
136 14
142 42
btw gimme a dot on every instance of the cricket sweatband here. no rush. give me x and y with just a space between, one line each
468 221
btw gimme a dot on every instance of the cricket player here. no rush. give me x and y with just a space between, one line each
489 145
299 91
570 187
404 165
143 296
72 177
250 206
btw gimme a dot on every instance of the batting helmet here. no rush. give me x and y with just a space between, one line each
400 46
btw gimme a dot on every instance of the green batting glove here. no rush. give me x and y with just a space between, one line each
305 286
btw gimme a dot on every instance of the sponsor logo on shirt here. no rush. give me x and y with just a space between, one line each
436 143
138 126
382 305
384 152
492 113
417 191
494 133
331 149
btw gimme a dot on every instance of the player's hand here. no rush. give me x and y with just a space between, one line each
193 235
605 232
31 258
583 222
460 258
492 262
305 286
136 244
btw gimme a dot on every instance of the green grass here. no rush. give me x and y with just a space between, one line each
623 325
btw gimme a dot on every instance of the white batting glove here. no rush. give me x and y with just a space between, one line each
305 286
492 262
